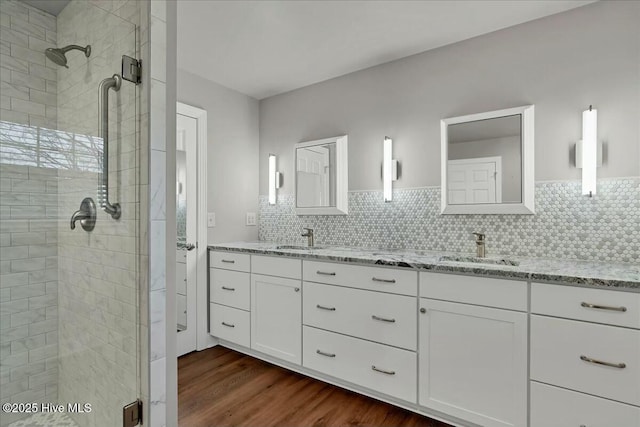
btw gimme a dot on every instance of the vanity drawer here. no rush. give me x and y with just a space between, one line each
395 281
232 288
499 293
565 353
379 367
376 316
230 324
230 261
592 305
553 406
276 266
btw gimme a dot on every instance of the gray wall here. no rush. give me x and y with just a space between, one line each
232 154
561 63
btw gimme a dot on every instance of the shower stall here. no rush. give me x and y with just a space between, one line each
71 162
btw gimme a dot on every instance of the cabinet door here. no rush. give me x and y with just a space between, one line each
276 317
473 362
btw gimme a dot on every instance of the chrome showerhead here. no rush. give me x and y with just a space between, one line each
58 56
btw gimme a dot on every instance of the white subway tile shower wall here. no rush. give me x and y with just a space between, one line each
28 212
27 78
566 224
98 336
29 286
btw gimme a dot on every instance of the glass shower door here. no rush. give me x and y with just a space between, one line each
70 294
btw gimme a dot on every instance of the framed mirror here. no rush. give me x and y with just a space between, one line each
322 176
487 162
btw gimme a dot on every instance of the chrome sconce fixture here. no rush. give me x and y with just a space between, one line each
275 179
389 169
589 151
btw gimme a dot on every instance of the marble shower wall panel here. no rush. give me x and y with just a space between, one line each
157 409
98 271
566 225
28 80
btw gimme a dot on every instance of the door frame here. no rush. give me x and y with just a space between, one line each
203 339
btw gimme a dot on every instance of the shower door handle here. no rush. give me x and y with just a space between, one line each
114 83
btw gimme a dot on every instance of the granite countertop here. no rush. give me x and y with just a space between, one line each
580 273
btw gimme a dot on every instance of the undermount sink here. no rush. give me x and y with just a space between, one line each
298 247
477 260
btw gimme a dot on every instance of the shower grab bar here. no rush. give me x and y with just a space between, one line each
114 83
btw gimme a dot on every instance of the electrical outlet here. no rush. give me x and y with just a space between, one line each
251 218
211 219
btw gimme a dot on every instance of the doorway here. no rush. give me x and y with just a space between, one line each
191 229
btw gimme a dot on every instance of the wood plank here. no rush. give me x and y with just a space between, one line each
221 387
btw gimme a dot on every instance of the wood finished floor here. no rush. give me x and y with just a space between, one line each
221 387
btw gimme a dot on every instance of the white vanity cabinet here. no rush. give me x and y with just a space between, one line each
276 307
473 358
229 293
469 350
585 351
360 326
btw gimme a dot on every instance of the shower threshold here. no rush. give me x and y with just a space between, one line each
45 419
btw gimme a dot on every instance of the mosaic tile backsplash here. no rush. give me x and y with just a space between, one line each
566 225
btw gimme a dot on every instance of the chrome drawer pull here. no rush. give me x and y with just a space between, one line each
373 367
603 307
326 273
228 289
230 325
229 261
322 353
375 279
600 362
383 319
322 307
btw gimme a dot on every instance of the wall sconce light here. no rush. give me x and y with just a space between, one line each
389 169
275 179
589 151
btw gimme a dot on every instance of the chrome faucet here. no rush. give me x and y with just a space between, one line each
86 215
78 216
309 236
480 248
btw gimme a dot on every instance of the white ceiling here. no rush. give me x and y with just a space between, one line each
263 48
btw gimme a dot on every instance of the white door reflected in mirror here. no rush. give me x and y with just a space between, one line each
475 180
321 177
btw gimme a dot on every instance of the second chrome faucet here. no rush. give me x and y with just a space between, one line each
309 235
480 244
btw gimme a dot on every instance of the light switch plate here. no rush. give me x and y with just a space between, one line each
251 218
211 219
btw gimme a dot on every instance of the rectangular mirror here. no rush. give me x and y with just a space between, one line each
322 177
487 162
